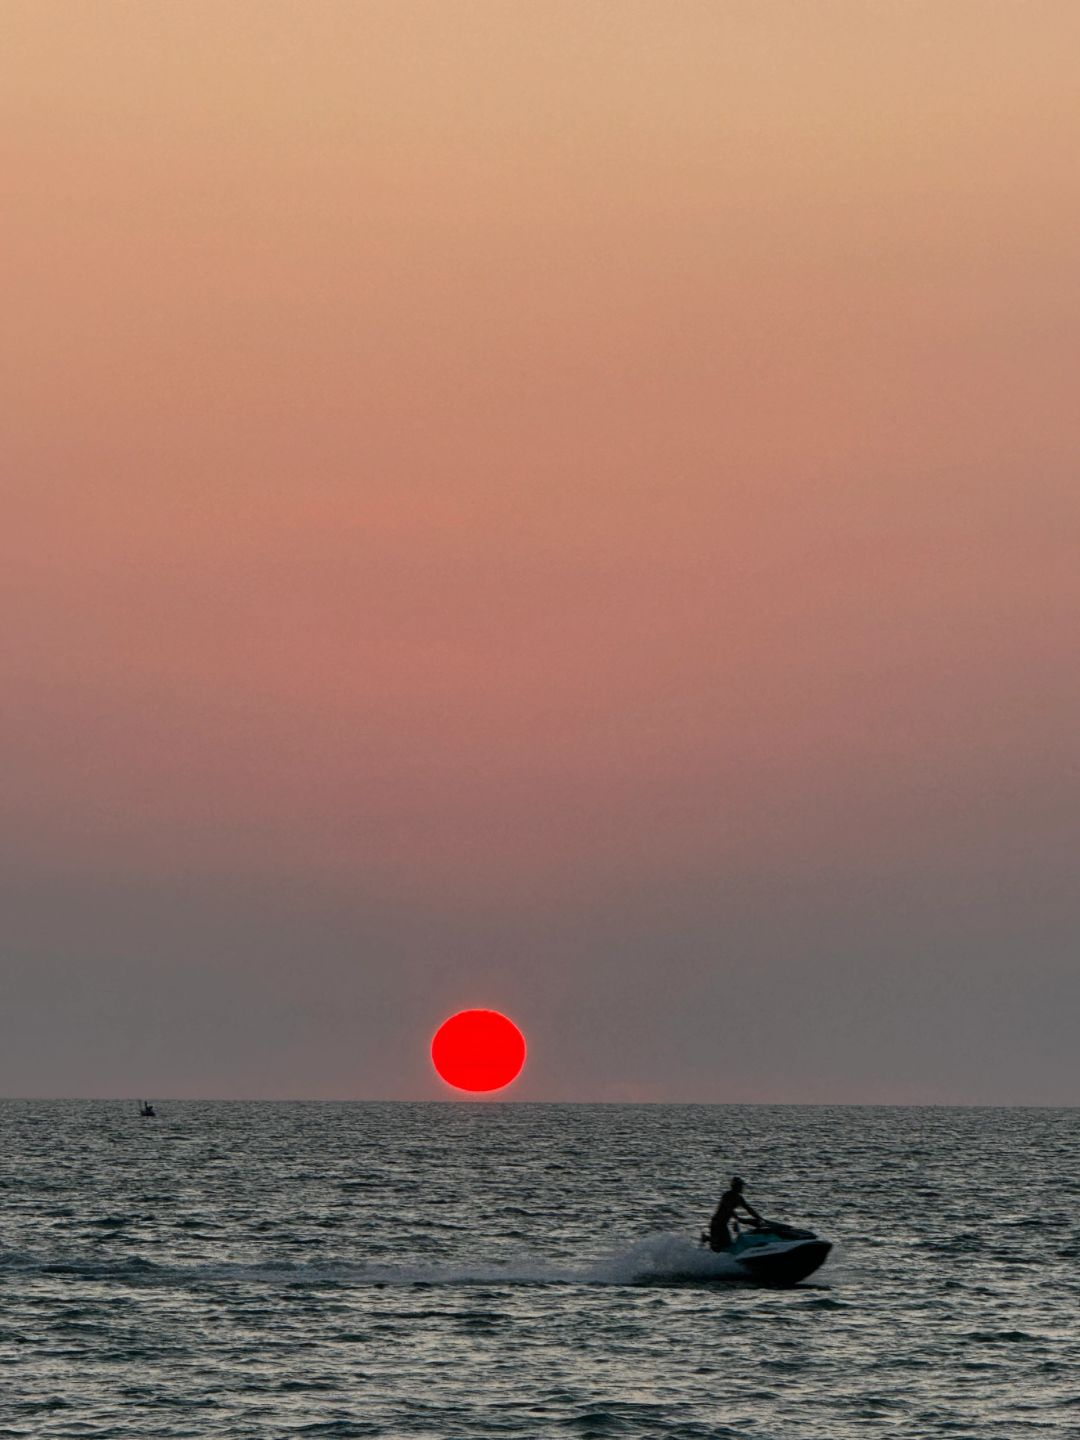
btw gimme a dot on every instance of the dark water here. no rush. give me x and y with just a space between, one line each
507 1271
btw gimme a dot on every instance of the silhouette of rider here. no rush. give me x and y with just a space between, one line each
730 1202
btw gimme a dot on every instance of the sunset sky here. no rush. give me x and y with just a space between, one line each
563 507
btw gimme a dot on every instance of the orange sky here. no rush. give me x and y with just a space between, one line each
534 454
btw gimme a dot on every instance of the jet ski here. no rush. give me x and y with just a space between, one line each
775 1254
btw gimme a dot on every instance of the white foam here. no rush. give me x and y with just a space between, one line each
667 1256
659 1258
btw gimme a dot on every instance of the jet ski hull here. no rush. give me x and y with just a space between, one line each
771 1253
783 1264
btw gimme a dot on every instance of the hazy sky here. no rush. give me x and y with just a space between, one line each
566 507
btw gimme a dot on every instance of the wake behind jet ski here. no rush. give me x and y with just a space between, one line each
762 1250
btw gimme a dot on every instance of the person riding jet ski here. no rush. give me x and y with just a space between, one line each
764 1252
731 1202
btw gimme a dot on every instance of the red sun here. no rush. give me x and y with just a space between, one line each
478 1050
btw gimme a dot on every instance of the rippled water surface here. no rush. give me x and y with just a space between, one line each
482 1270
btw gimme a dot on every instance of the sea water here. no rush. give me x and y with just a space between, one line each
503 1270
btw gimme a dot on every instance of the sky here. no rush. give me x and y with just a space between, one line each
567 508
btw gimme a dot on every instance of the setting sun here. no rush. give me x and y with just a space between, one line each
478 1050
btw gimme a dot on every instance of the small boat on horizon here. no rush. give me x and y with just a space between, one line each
146 1110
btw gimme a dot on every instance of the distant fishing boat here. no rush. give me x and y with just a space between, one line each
146 1110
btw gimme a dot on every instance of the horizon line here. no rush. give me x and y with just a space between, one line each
484 1100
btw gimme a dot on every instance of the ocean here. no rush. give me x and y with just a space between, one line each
472 1271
